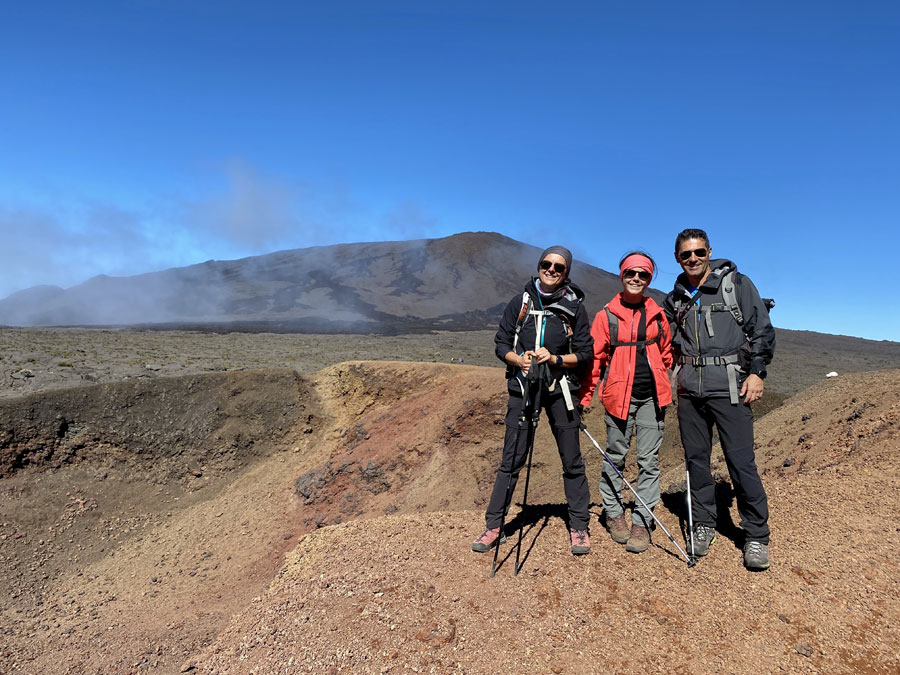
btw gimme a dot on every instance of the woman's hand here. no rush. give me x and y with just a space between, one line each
525 363
520 361
542 355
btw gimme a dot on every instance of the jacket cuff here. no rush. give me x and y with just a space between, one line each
758 367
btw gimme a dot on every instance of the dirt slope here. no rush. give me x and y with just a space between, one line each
125 552
404 593
375 498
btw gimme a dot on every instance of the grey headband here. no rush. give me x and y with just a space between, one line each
561 251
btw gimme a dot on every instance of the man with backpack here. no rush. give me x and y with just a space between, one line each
724 342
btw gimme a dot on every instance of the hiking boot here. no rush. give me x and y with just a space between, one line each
488 539
618 529
639 541
756 555
703 537
581 542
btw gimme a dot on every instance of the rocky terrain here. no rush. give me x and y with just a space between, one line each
40 359
318 518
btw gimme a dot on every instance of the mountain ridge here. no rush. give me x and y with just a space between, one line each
458 282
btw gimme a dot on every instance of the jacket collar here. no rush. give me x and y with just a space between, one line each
718 267
616 307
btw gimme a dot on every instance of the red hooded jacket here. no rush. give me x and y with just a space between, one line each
616 394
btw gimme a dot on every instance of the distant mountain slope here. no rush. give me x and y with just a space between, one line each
458 282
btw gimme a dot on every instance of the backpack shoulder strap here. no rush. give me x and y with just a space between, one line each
526 306
613 322
682 307
730 298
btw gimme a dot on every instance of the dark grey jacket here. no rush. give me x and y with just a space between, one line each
754 342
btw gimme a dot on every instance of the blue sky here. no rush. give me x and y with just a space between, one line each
142 135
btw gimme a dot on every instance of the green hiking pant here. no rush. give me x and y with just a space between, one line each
645 422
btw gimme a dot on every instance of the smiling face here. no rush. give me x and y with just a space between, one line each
693 256
552 271
634 281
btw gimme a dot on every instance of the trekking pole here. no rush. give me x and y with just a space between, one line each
523 419
638 497
529 439
506 499
687 474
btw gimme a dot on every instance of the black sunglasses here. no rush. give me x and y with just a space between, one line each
699 252
559 268
644 276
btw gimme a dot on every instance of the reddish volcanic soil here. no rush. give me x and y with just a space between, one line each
339 541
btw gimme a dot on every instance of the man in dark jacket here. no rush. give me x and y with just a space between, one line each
726 342
546 326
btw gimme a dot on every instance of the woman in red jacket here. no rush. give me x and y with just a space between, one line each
631 370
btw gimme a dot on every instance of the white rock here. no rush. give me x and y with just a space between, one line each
831 374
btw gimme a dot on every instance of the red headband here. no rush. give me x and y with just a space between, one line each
636 261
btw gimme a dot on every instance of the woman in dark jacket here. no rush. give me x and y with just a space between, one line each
546 327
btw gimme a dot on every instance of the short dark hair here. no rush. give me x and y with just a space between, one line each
691 233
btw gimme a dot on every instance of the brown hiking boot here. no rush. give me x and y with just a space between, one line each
618 529
639 540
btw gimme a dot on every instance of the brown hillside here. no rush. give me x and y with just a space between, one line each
375 499
404 593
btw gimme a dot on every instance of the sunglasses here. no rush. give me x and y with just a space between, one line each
559 268
641 274
699 252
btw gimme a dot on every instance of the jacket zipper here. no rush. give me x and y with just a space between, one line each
697 334
632 366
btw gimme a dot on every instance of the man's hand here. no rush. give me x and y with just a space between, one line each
752 389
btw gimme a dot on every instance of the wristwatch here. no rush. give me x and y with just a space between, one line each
559 360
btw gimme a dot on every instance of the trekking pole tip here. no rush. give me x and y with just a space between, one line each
691 562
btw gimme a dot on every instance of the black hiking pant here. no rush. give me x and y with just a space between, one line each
696 417
565 426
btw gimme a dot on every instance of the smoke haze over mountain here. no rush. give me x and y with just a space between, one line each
458 282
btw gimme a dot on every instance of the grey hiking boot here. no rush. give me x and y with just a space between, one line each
756 555
618 529
581 542
488 539
639 539
703 537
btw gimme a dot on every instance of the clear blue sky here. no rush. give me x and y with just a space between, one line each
140 135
